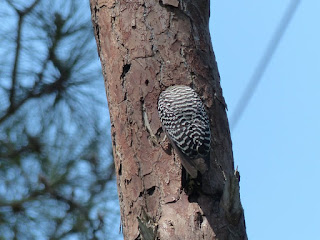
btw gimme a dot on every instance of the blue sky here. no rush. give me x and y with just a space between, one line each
276 141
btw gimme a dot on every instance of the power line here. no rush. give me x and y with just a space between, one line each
263 63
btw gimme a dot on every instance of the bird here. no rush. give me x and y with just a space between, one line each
185 121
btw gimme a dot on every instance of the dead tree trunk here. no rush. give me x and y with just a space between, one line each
146 46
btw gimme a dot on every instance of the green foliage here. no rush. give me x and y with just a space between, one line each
56 168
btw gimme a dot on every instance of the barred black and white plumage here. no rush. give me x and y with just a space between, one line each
186 124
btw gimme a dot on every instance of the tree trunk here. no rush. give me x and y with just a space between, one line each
146 46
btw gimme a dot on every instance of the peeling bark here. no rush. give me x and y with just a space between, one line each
146 46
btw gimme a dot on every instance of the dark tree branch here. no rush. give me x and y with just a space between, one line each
41 99
14 74
15 66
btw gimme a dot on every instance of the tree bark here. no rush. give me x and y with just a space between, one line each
146 46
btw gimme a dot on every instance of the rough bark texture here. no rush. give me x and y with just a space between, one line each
146 46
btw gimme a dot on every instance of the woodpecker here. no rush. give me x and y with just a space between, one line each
186 124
